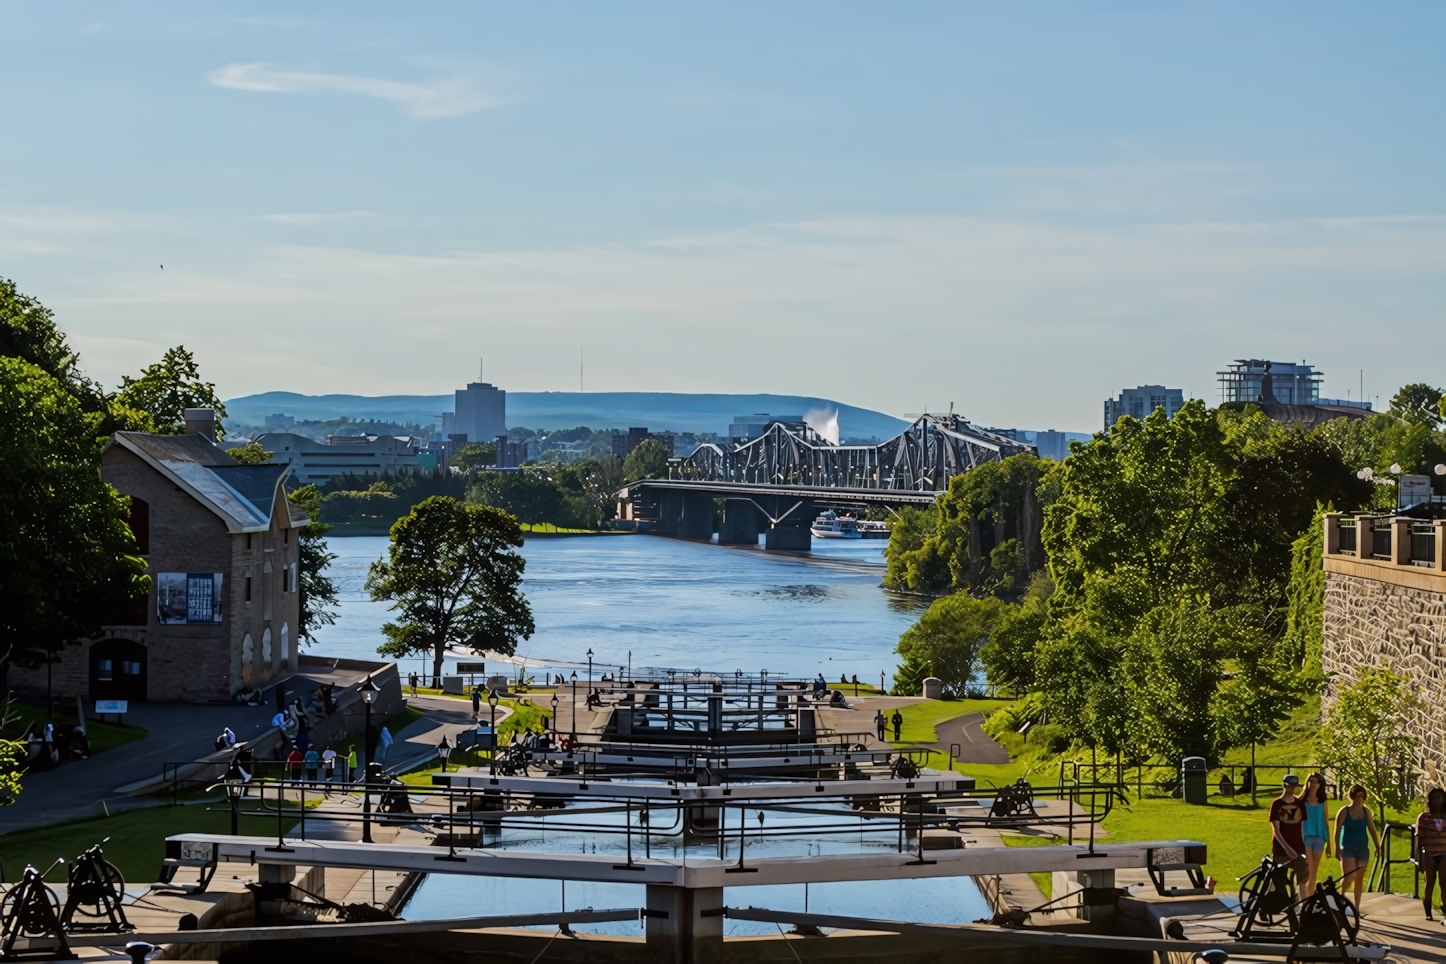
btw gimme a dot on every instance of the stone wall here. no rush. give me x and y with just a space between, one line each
1371 619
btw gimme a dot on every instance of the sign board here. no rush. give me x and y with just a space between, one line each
111 706
464 667
189 598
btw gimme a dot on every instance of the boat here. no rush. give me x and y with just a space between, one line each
873 530
831 525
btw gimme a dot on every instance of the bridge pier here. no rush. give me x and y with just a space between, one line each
677 931
791 532
685 515
742 522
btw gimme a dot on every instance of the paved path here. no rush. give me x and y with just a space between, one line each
86 788
975 746
417 743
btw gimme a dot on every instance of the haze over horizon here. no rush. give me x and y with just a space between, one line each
1019 210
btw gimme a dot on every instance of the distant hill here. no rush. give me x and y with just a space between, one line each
674 411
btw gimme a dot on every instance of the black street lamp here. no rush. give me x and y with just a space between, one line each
444 750
369 693
235 785
554 714
574 706
492 702
589 670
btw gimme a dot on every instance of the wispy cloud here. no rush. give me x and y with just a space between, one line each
447 97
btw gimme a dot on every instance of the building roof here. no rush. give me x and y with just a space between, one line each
242 495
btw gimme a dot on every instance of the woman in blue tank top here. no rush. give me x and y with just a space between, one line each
1317 836
1355 829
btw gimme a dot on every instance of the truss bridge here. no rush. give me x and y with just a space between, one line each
777 483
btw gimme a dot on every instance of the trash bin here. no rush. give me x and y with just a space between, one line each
1192 779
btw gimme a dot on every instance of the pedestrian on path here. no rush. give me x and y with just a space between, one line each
351 763
412 679
898 721
881 723
1353 822
1287 818
312 761
1314 829
476 701
328 764
293 764
1431 846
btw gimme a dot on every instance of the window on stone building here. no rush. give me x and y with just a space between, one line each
140 522
286 536
105 670
130 667
248 588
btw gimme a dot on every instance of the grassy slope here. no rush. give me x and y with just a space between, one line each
921 718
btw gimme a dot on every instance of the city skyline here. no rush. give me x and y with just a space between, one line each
897 210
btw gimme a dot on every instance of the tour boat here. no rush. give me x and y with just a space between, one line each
873 530
830 525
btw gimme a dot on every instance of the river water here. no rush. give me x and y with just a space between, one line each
672 605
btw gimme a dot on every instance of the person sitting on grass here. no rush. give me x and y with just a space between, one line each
1287 817
1431 845
1353 847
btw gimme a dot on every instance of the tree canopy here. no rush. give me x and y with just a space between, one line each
453 575
316 588
163 391
648 461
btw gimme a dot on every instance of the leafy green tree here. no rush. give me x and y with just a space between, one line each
377 502
316 588
1173 666
251 454
1305 598
454 576
474 455
68 558
946 642
529 495
1419 404
1369 736
1008 657
164 391
648 461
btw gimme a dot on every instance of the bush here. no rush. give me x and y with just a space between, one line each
1050 737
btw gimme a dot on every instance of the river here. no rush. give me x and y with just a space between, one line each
672 605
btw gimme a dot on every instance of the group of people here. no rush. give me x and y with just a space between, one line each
881 724
322 767
1302 834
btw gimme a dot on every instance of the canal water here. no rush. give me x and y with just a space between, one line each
672 605
669 604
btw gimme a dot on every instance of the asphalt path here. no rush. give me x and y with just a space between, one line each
975 746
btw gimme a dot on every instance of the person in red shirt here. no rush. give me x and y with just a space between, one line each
1431 845
293 764
1287 815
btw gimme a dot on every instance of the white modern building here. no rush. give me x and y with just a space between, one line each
313 461
1141 401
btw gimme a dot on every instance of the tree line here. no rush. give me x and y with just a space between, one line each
1158 592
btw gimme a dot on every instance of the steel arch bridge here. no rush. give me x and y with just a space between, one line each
922 458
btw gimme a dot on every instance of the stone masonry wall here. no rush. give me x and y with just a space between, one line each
1369 622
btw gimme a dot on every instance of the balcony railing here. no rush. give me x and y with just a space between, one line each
1423 544
1381 532
1388 540
1348 536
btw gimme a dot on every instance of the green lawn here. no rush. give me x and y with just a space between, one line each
137 838
102 735
921 718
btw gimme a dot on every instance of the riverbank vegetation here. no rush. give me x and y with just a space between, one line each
1157 594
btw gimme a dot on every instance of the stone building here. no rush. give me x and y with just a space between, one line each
220 543
1385 603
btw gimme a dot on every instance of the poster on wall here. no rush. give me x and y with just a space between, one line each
188 598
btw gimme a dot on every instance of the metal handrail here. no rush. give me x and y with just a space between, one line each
1380 881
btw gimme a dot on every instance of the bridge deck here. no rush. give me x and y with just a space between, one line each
820 494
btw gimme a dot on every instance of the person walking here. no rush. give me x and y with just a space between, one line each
328 764
1314 830
1353 847
385 742
351 763
1287 817
312 761
293 764
898 720
476 702
881 723
1431 846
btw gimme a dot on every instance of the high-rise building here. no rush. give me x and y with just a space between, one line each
480 414
1141 401
1246 380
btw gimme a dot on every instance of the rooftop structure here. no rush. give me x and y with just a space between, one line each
318 462
1258 380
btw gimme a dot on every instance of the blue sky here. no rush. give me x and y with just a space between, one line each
1016 208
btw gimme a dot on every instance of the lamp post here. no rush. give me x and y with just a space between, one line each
235 784
444 750
589 670
574 706
492 702
368 694
554 714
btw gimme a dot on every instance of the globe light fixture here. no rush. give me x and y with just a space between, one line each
1395 468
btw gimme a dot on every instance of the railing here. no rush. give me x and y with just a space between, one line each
1381 539
1108 771
1380 880
1348 536
1423 544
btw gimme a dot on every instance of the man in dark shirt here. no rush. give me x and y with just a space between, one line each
1287 816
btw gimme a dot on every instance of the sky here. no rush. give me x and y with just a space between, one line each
1019 209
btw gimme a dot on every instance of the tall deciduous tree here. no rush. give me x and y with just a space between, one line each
316 588
454 576
946 642
164 391
68 561
648 461
1370 738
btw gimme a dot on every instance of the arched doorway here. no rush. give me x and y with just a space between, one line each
118 670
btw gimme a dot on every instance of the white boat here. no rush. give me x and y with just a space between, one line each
830 525
873 530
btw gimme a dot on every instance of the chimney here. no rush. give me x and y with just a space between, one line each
201 421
